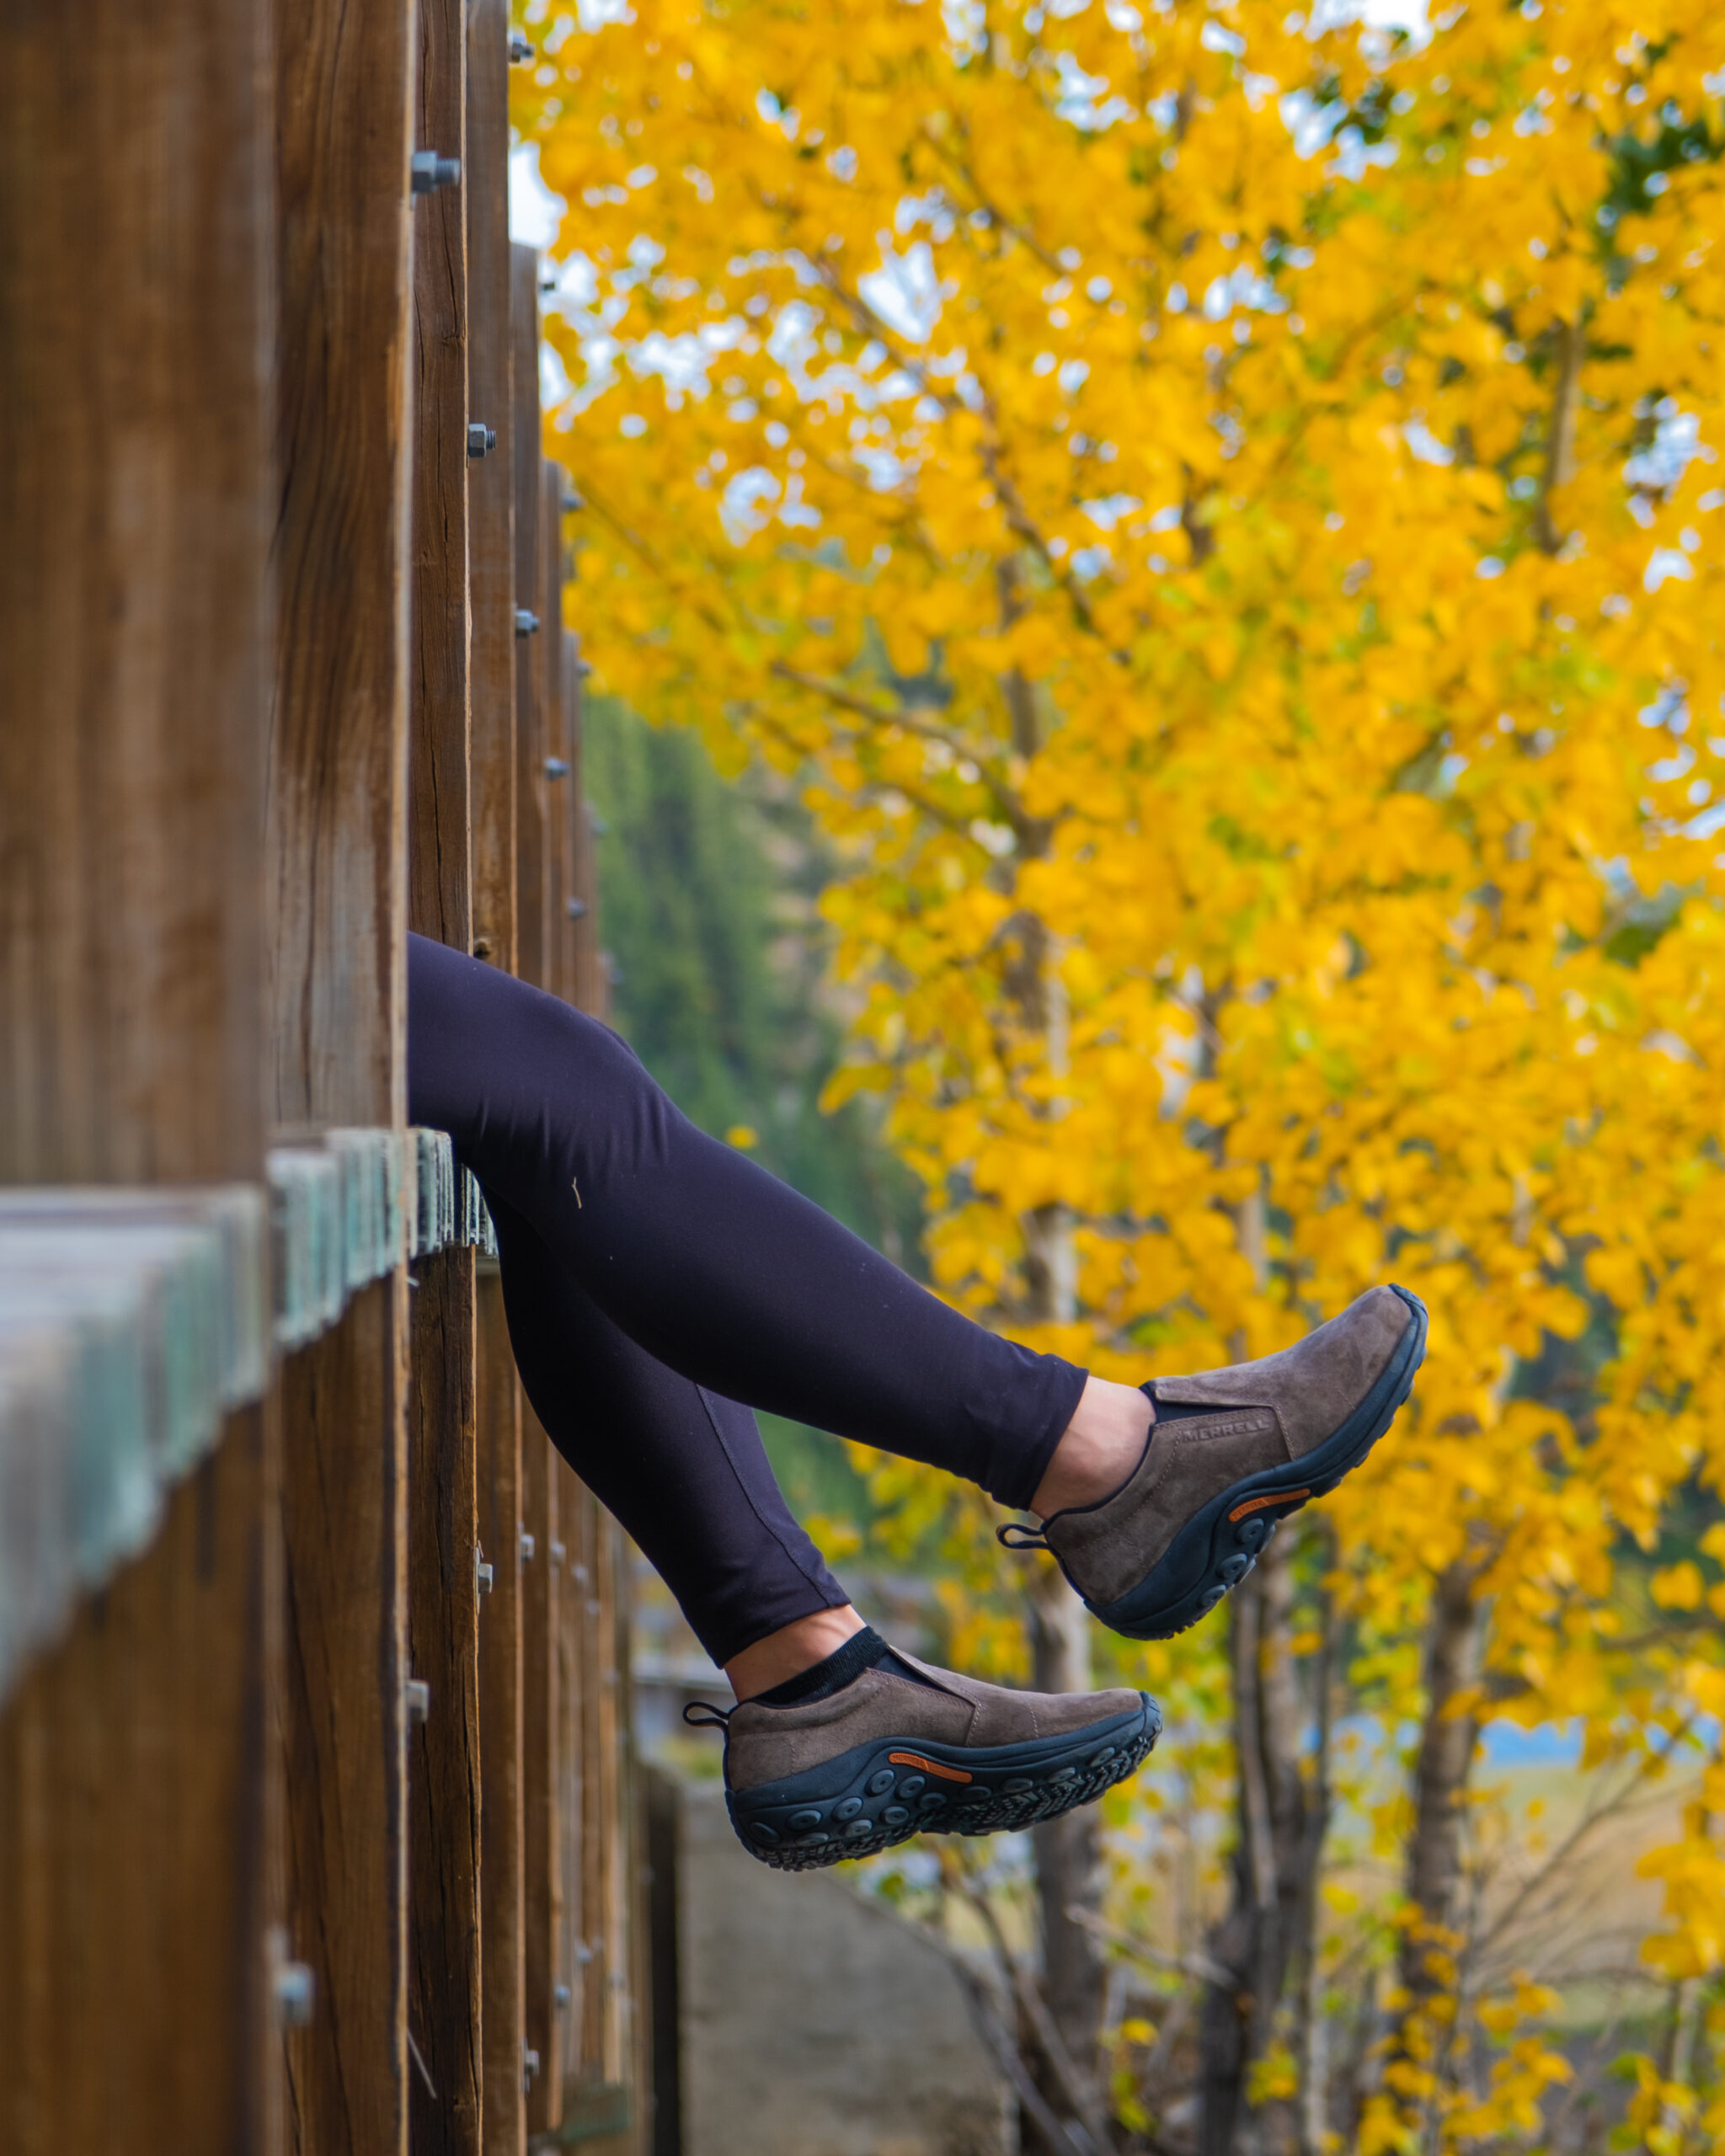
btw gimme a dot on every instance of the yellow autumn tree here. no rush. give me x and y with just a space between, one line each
1219 506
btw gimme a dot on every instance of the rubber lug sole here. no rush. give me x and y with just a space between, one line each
1219 1545
877 1794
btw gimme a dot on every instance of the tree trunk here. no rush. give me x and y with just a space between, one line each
1429 1945
1266 1936
1069 1871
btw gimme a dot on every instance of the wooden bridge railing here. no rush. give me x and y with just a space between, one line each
315 1808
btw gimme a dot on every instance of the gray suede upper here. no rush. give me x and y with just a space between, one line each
1267 1413
770 1744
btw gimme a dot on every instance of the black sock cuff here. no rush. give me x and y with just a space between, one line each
842 1667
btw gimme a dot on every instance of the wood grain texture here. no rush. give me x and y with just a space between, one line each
542 1791
559 948
596 1826
501 1885
572 1499
136 399
491 485
444 2002
532 653
344 1522
336 856
586 971
439 839
139 1869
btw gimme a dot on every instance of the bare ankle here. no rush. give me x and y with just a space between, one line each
1102 1443
791 1650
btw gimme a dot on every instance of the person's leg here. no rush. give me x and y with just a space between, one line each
716 1268
739 1285
682 1468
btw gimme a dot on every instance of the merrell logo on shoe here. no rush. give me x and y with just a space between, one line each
928 1766
1270 1498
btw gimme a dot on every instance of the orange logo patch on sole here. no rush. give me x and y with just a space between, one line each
1274 1498
928 1766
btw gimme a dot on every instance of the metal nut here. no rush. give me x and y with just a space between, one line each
481 439
576 908
556 767
296 1994
483 1573
526 622
430 169
416 1693
519 48
529 1547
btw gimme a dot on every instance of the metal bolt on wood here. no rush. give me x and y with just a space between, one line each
431 170
576 908
481 439
519 48
557 767
529 1547
416 1693
526 622
530 2065
296 1994
483 1576
571 502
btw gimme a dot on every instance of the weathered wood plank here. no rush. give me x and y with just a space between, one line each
444 1984
439 837
136 414
587 972
533 651
559 945
540 1791
336 870
501 1888
596 1825
336 865
139 1835
344 1511
571 1620
444 2005
491 484
139 1832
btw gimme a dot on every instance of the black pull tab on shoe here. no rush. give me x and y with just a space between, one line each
1029 1537
702 1714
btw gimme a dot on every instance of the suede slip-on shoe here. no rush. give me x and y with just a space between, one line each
1231 1453
897 1753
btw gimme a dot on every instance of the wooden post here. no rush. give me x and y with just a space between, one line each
491 484
336 859
559 945
543 1866
589 991
139 1827
444 2001
501 1885
439 836
572 1500
532 668
444 2004
135 507
139 1832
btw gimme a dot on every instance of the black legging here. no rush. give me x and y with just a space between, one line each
654 1279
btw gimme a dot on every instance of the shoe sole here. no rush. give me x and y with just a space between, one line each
877 1794
1220 1544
